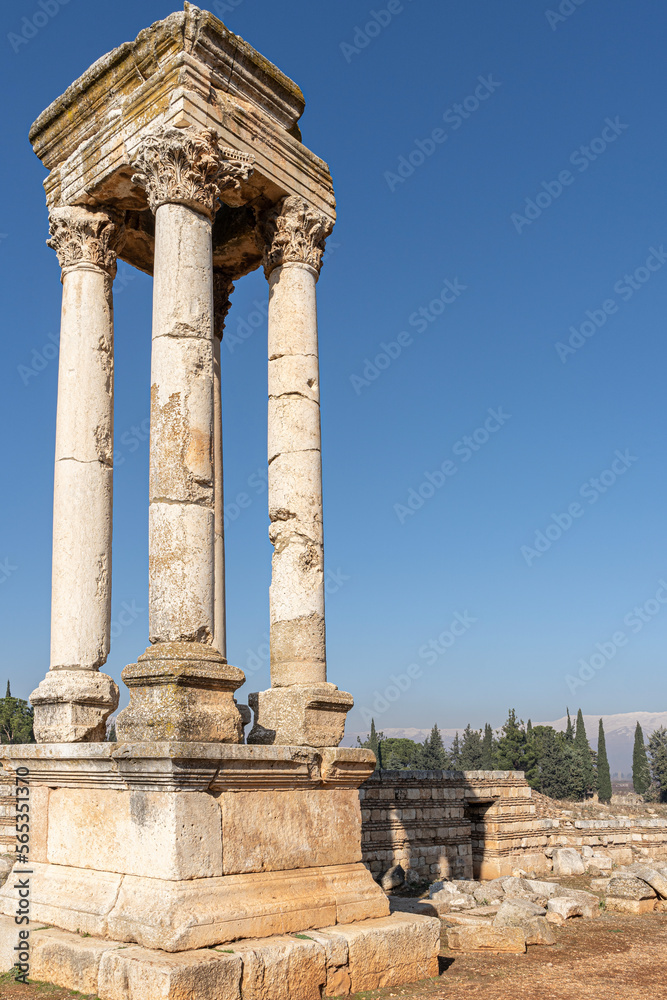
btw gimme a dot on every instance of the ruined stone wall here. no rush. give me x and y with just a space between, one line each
7 814
484 824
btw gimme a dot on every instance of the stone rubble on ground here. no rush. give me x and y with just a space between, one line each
498 915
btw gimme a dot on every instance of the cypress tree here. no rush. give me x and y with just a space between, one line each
569 732
584 754
641 774
374 743
9 690
657 748
604 775
487 749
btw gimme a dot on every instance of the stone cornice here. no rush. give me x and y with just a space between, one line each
80 236
188 166
188 766
194 33
295 232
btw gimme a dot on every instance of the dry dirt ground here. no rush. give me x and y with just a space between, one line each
615 957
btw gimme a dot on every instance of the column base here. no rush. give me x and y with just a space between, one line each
182 691
72 706
332 962
311 715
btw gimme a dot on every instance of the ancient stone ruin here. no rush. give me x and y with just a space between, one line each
180 861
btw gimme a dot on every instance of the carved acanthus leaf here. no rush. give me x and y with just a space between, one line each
187 166
85 236
295 232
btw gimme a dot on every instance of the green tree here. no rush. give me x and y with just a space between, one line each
471 753
657 751
374 743
569 731
455 754
488 750
555 757
434 756
604 775
584 754
514 752
401 754
16 718
641 772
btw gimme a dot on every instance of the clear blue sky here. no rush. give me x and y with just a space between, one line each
546 91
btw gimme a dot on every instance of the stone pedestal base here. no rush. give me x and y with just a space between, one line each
181 691
159 871
332 962
301 715
72 706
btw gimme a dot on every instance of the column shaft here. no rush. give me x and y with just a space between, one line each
298 653
74 701
219 604
83 487
181 518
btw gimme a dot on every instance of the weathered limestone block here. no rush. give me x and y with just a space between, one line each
171 835
285 829
392 951
629 887
565 907
492 940
653 877
67 959
139 974
636 906
567 861
300 715
184 692
282 968
72 706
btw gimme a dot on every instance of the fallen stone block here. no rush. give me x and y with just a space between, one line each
630 887
653 877
488 895
569 906
600 862
494 940
539 888
636 906
517 888
392 878
567 861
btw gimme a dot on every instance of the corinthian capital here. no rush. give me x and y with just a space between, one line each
186 166
85 236
294 232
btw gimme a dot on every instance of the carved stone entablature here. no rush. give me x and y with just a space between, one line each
83 236
187 166
294 233
223 286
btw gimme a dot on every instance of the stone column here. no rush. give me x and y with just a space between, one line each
74 701
222 292
301 707
182 687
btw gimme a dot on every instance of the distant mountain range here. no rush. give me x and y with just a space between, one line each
619 732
